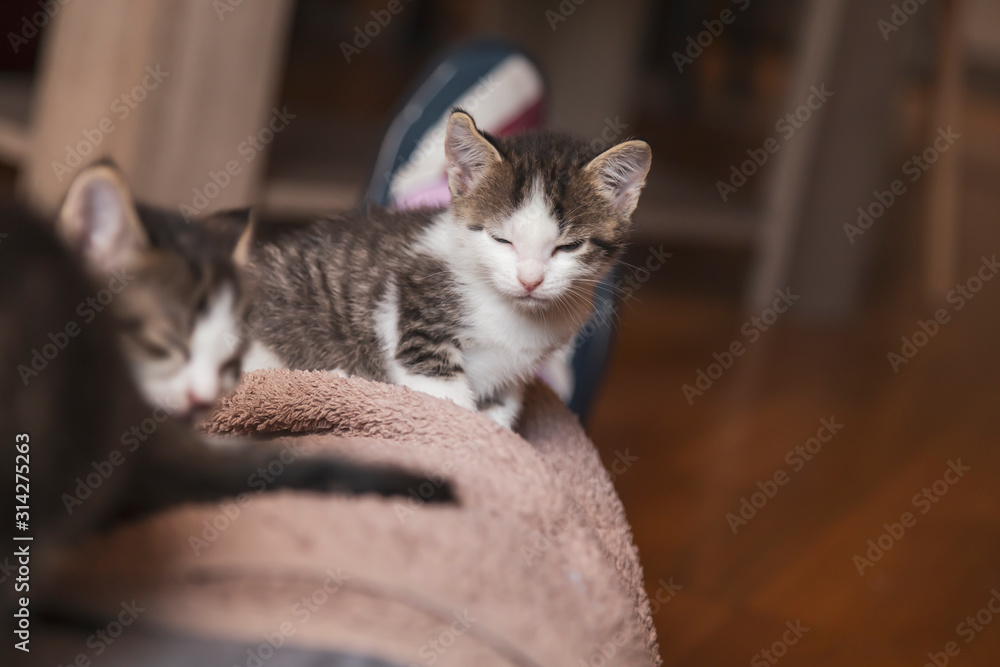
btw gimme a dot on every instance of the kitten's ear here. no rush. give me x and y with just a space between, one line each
234 228
99 220
469 153
621 173
241 253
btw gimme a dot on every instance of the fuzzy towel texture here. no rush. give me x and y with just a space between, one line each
534 566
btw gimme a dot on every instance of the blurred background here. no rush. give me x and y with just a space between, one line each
825 185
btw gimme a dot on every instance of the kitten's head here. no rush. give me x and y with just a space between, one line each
544 215
175 288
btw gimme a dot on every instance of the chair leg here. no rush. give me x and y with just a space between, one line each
941 243
786 191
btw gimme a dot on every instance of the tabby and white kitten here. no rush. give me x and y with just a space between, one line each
181 295
463 303
78 411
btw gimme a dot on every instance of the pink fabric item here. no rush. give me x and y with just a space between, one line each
534 566
435 195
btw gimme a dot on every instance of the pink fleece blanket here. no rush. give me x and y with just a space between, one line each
534 566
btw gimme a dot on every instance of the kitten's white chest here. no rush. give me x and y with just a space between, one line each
503 346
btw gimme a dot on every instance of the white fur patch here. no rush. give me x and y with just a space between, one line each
558 373
258 356
505 413
531 229
209 350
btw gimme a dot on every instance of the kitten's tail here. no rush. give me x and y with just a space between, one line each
193 471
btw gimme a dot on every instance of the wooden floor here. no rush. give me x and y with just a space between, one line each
794 560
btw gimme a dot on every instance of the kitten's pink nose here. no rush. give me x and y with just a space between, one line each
531 284
198 402
530 273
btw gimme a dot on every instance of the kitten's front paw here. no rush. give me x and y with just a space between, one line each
505 413
557 372
455 390
501 416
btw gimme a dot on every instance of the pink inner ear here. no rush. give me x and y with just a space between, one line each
104 216
623 174
459 179
623 182
468 155
469 165
98 214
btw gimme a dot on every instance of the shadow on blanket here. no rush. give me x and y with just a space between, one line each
535 566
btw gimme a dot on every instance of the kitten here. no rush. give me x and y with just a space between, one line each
463 303
180 292
67 427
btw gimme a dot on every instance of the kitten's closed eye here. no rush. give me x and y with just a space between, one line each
569 247
152 348
500 240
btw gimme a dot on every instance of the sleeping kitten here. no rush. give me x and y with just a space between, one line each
69 423
180 291
463 303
